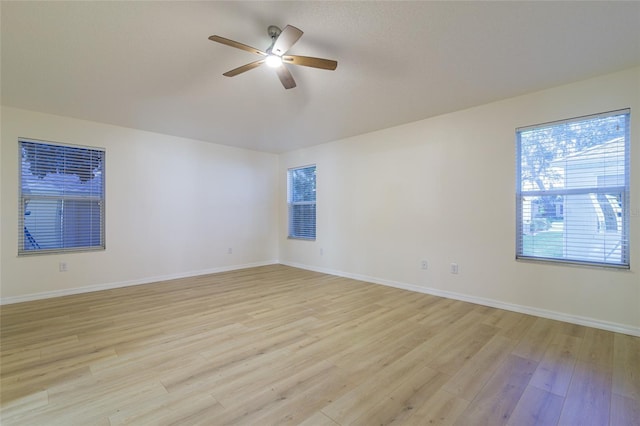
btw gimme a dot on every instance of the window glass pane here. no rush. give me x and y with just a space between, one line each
573 188
303 224
303 184
62 197
302 202
61 170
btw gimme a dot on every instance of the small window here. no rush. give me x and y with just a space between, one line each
61 198
302 202
573 190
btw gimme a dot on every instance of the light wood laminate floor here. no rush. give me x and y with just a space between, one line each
277 345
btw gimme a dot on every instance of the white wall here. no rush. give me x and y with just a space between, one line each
174 207
443 190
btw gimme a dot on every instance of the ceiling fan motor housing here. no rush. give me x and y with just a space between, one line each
273 31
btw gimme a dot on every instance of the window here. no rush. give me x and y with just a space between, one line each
61 198
573 190
302 202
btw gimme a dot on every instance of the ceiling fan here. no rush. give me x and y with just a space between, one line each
274 56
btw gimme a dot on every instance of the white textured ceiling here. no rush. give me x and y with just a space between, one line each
150 66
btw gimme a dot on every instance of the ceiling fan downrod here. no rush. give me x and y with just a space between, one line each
274 32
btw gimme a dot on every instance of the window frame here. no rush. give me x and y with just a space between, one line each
622 191
291 234
24 235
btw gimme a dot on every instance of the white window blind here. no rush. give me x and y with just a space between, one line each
61 198
572 195
302 202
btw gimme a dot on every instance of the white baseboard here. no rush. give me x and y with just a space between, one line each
529 310
109 286
574 319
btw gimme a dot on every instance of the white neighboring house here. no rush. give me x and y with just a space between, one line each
594 181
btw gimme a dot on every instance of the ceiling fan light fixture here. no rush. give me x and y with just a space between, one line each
273 61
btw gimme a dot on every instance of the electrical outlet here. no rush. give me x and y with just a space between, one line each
62 267
230 251
321 252
454 268
424 264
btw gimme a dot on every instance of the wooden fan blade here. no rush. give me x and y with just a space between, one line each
308 61
243 68
237 45
285 77
286 39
